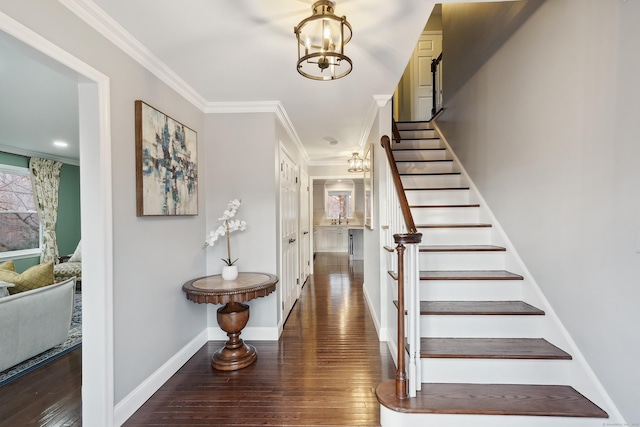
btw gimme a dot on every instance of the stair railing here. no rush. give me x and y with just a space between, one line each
407 239
436 74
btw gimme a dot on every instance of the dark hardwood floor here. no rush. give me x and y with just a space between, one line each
322 372
47 397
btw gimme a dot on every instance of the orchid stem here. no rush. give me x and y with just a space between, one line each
226 225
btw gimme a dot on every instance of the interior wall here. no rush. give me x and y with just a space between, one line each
152 257
235 174
547 130
491 23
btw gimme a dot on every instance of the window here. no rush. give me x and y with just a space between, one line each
19 222
338 204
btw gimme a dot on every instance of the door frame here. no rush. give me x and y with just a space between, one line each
97 224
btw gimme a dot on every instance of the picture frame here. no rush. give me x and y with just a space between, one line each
368 187
166 164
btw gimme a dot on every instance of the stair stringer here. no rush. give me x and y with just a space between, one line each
581 375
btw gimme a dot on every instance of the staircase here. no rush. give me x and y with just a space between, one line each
485 352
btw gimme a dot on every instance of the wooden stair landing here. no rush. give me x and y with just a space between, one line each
492 399
491 348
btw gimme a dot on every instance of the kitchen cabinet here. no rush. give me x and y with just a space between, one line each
331 239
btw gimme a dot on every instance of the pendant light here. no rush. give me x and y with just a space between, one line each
321 39
356 164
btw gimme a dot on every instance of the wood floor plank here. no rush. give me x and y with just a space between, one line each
322 372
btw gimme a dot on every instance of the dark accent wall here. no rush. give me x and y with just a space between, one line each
68 226
473 32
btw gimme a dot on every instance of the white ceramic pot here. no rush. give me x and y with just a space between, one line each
230 272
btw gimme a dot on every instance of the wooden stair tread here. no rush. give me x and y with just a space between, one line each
469 275
425 161
428 173
459 308
435 188
460 225
491 348
471 205
398 148
461 248
492 399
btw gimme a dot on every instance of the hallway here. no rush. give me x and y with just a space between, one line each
322 372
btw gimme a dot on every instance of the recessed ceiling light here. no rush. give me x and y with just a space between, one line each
60 144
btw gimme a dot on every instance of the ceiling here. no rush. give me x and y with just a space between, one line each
240 51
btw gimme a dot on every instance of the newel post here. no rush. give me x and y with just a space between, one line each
401 376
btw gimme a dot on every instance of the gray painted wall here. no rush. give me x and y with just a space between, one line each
547 130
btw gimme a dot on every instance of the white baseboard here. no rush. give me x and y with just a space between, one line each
134 400
271 333
382 332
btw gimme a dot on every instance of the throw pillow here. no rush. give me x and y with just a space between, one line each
3 288
34 277
77 254
8 265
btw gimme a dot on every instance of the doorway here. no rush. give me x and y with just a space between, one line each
96 229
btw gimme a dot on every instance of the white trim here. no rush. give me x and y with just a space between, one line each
104 24
29 153
573 349
134 400
379 101
21 254
249 107
382 332
256 333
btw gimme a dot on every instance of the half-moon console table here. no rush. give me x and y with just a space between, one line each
234 315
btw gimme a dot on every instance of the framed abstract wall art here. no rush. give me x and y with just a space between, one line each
166 165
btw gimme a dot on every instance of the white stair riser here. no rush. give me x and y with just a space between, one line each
389 418
456 236
418 143
497 326
495 371
423 133
462 260
438 197
421 155
413 125
467 215
471 290
431 181
425 167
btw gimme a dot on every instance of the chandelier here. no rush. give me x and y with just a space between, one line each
321 39
356 164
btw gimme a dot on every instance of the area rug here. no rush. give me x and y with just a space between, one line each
74 340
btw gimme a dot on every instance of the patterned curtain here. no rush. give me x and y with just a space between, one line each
45 178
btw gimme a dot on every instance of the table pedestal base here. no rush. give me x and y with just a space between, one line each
232 318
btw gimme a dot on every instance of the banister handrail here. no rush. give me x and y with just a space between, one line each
402 198
436 85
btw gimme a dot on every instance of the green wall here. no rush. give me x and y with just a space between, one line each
68 226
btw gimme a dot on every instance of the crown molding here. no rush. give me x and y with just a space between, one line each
274 107
379 101
29 153
99 20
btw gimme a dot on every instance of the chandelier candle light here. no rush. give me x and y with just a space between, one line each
229 271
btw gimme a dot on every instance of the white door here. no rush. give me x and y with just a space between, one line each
289 232
428 48
305 239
